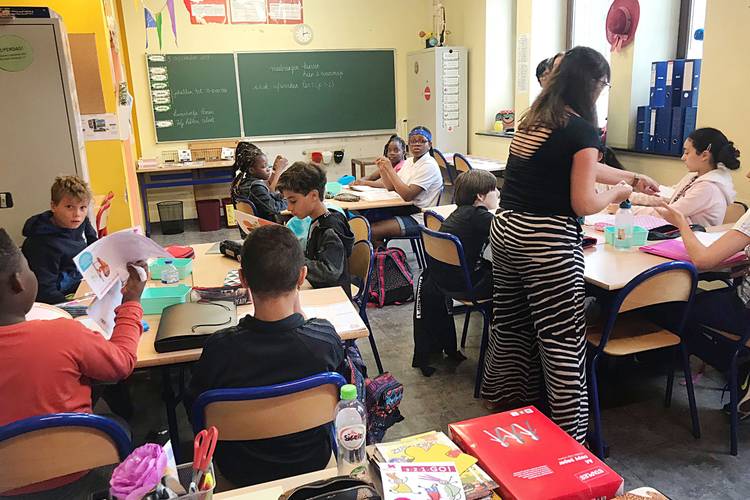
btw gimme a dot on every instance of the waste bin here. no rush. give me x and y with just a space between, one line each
171 217
209 214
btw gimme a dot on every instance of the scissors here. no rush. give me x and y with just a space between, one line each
203 450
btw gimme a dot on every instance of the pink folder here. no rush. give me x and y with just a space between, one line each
675 249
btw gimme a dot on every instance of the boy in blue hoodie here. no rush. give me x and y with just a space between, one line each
54 237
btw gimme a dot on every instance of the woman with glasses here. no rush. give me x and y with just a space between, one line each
419 180
538 332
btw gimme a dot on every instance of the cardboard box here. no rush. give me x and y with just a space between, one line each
532 458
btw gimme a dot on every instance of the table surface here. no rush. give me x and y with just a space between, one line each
479 162
208 271
364 204
285 484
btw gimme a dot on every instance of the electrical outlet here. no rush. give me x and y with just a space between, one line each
6 200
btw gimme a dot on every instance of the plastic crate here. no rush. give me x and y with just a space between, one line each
184 267
155 299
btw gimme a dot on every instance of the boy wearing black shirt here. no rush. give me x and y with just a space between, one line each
277 344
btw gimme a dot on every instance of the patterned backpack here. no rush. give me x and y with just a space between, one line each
391 280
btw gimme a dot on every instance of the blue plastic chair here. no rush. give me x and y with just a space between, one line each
360 265
723 351
631 334
447 249
44 447
250 413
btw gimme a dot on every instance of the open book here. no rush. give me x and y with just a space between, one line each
249 223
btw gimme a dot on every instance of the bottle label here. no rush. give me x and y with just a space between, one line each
352 437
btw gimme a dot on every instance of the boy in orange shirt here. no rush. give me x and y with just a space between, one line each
47 365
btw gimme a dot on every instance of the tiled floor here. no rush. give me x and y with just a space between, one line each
649 444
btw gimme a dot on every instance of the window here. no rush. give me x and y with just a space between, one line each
586 27
696 21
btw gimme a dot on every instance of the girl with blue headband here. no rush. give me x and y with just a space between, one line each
419 181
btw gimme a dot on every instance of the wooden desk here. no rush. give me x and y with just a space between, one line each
362 162
176 175
480 163
365 205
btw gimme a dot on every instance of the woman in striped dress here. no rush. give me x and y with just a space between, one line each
538 330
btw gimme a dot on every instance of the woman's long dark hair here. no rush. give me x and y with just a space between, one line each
574 84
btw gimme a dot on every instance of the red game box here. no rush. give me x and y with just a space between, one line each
532 458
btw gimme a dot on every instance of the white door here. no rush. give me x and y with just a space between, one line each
36 143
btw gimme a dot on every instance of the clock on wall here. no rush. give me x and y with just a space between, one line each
303 34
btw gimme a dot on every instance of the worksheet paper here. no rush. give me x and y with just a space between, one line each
342 316
103 264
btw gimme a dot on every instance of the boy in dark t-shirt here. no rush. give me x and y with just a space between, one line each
434 331
276 344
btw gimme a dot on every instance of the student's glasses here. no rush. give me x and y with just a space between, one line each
417 142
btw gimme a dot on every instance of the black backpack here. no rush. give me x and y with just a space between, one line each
391 280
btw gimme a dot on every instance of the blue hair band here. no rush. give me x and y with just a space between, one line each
421 131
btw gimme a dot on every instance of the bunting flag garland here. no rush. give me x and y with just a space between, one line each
158 27
150 22
170 8
156 20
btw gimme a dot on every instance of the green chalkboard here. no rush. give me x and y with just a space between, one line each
194 96
314 92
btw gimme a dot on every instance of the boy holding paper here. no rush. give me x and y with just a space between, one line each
47 365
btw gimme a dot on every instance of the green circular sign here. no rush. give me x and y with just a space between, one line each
16 53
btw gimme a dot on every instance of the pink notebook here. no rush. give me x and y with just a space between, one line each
675 249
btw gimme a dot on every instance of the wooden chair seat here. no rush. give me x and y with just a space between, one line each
470 303
730 336
632 334
355 290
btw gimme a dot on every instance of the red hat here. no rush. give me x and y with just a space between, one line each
622 21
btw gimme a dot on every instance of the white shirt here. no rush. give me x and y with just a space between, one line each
424 173
743 226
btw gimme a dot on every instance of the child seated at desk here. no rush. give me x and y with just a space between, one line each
434 331
256 181
395 151
329 241
47 366
54 237
703 195
418 181
277 344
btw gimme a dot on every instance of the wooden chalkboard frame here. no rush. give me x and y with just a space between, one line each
301 136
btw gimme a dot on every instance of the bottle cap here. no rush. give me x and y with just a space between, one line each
167 262
348 392
625 204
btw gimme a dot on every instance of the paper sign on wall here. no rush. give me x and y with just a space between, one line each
248 11
207 11
284 11
100 127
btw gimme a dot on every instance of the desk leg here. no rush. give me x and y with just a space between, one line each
170 402
144 202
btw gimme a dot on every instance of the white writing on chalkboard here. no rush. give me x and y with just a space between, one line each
202 116
195 91
312 77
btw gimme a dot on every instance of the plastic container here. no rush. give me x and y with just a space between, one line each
184 267
350 420
155 299
171 217
345 180
623 226
639 237
333 187
169 274
209 214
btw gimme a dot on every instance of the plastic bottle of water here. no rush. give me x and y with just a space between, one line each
169 274
351 433
623 226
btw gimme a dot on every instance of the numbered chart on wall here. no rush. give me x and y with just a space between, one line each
194 96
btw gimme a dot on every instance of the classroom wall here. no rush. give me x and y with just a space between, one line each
354 24
106 159
723 101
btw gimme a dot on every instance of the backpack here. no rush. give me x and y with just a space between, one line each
381 395
391 280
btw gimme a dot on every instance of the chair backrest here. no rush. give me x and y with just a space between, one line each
48 446
734 212
361 260
674 281
245 206
360 227
433 220
461 163
252 413
102 215
447 249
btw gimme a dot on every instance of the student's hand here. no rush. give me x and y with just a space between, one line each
622 192
134 286
383 164
671 215
359 182
646 185
280 164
